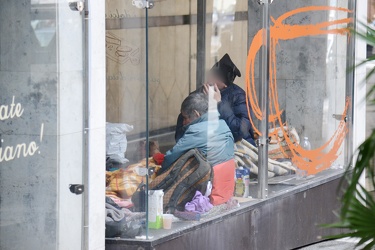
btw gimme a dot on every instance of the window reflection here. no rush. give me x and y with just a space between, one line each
43 23
44 31
222 23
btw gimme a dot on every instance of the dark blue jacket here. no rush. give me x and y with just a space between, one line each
233 110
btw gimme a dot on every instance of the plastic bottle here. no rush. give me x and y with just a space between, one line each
246 181
239 187
306 143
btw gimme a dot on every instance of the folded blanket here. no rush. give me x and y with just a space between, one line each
113 214
125 181
278 147
121 221
246 155
125 203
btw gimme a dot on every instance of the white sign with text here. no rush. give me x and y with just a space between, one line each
15 110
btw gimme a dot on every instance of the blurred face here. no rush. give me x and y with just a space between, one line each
189 119
212 79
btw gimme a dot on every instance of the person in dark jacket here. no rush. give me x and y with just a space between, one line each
204 131
231 100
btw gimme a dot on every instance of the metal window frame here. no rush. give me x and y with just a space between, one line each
264 58
201 42
350 80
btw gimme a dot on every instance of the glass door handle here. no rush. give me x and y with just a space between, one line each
339 117
77 6
142 4
76 188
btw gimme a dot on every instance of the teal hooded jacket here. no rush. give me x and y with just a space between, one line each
210 135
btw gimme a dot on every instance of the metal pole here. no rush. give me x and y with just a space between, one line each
86 122
249 27
350 78
264 103
147 125
201 42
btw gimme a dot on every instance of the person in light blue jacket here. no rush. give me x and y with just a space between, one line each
203 130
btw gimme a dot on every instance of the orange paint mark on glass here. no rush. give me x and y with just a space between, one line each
320 158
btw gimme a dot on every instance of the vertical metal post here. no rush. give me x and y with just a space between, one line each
201 42
249 27
147 122
264 103
86 123
350 78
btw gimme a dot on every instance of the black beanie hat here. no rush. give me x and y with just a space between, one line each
226 70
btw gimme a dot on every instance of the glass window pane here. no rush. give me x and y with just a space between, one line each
126 117
308 99
175 62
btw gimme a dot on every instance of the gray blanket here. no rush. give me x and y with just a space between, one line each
113 214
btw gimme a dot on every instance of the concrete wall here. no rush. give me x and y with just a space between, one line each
42 66
28 71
